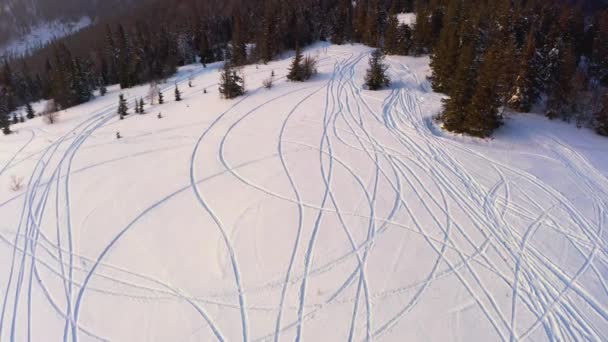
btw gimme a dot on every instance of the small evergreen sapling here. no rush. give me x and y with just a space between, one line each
30 111
178 94
376 77
123 109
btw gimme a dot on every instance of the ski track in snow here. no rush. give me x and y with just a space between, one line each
480 223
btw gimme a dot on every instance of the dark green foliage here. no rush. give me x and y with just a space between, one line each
601 117
482 115
141 106
178 94
123 109
30 111
205 52
136 106
527 84
296 72
161 99
103 90
456 106
376 77
231 84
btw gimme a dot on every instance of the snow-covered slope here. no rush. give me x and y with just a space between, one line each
42 34
317 211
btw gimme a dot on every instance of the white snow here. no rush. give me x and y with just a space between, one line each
407 18
315 211
43 34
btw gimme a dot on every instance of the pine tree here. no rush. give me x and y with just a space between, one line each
527 83
178 94
161 99
456 106
123 109
376 77
136 106
601 117
342 22
231 84
238 50
103 90
482 114
141 106
205 51
296 72
30 111
391 36
562 94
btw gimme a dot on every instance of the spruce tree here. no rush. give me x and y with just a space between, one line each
376 77
178 94
601 117
296 72
141 106
231 84
136 106
102 89
456 106
482 114
30 111
123 109
391 36
527 83
161 99
205 51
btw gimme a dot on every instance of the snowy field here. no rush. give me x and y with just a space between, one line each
315 211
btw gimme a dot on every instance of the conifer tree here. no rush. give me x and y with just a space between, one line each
455 107
376 77
103 90
136 106
527 84
342 22
141 106
178 94
238 50
123 109
205 51
30 111
296 72
231 83
482 114
601 117
161 99
391 36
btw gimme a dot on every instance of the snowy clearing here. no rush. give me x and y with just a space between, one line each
407 18
315 211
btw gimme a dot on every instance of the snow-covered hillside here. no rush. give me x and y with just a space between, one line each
315 211
43 34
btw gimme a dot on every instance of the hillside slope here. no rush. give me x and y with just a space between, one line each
316 211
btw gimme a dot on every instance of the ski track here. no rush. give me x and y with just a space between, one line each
492 242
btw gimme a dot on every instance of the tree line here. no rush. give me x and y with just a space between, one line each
487 56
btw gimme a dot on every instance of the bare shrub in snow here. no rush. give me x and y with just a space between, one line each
268 83
309 67
50 112
153 92
16 183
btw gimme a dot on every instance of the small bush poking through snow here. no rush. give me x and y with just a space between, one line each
268 83
16 183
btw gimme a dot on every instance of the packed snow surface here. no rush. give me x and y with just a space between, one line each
43 34
314 211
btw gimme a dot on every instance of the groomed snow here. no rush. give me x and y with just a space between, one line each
314 211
